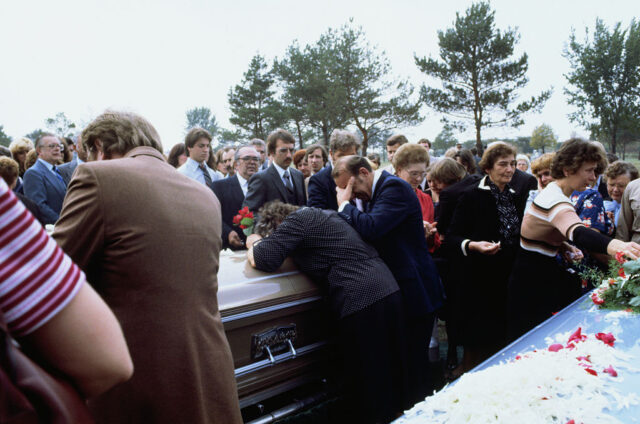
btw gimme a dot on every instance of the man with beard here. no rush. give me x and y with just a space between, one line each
231 193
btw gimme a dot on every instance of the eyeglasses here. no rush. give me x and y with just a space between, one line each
417 174
54 145
250 159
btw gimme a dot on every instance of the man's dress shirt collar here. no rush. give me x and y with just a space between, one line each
191 169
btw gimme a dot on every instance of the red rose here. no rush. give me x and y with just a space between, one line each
621 273
571 422
243 227
607 338
620 257
237 219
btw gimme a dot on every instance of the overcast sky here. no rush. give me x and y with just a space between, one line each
161 58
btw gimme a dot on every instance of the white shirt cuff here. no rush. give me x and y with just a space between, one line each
342 205
463 246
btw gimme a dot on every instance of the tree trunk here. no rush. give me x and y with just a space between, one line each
479 140
299 134
325 135
614 135
365 142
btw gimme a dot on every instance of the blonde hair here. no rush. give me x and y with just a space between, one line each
409 154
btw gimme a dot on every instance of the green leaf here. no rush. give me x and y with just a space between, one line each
631 267
247 222
248 231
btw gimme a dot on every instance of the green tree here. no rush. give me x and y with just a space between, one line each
480 80
253 105
375 102
33 135
543 137
60 125
229 136
5 140
445 139
605 79
203 118
310 97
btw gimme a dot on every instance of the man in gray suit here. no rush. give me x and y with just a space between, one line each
43 182
278 182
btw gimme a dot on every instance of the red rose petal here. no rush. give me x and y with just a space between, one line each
591 371
571 422
555 347
606 338
577 336
609 370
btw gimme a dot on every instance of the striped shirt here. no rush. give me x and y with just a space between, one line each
548 222
37 279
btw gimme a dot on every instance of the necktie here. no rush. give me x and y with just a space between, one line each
287 181
205 173
59 175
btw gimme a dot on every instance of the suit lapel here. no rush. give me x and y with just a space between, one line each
376 192
275 176
236 190
53 180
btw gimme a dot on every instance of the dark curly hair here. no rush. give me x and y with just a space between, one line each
574 153
271 216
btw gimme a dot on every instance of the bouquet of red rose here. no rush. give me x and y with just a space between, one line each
244 220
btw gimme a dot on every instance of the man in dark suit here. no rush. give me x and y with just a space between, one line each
392 222
322 187
43 182
278 182
231 191
66 169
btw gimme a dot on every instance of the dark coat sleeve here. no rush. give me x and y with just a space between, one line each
318 193
270 253
256 192
461 226
389 209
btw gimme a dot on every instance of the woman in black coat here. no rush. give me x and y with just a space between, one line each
482 238
364 299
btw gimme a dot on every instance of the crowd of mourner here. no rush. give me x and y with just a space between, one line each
490 245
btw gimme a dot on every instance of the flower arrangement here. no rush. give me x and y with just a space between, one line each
619 288
244 220
574 379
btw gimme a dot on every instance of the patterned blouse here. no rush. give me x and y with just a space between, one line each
590 208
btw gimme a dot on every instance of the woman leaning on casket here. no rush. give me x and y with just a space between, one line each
364 300
538 285
482 238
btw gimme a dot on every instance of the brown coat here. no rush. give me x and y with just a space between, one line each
148 239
